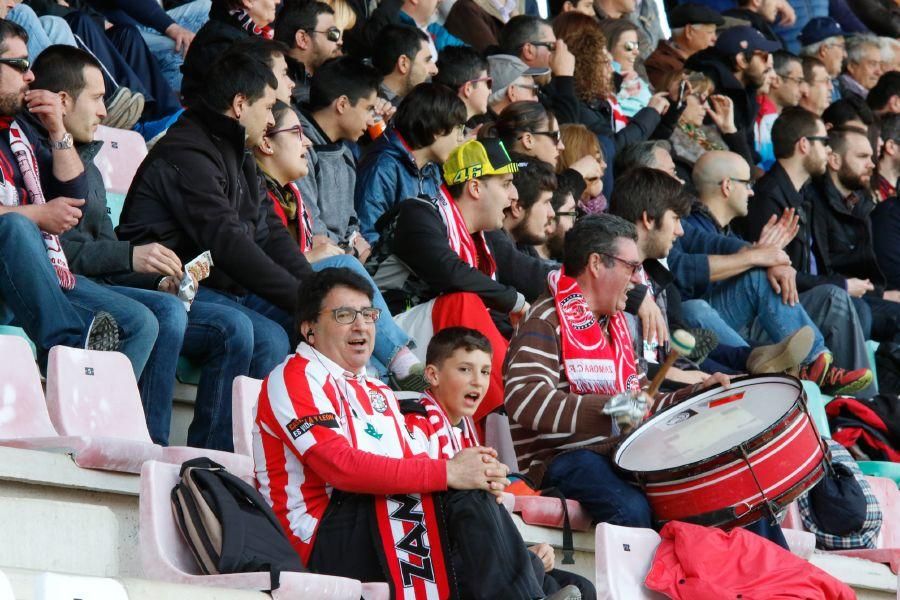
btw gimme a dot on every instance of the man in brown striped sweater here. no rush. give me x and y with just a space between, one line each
556 389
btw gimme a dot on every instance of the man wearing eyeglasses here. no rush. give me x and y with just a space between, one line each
785 89
816 95
346 477
753 287
823 38
513 82
308 30
570 362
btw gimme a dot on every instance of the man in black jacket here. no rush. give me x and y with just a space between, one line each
738 64
842 228
199 189
139 282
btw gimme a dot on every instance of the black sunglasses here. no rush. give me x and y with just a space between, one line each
332 34
22 65
551 46
818 138
553 135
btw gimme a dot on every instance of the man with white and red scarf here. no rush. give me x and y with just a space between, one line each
41 191
572 360
435 267
337 464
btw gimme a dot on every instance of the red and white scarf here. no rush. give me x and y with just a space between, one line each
297 213
451 440
594 365
28 167
472 249
619 119
246 22
410 526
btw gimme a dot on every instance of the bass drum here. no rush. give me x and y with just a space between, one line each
727 457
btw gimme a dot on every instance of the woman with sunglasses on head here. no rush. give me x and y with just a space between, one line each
527 128
583 155
599 109
281 156
633 90
695 134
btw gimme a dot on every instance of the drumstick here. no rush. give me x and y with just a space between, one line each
682 344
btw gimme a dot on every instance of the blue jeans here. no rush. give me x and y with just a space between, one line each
590 479
138 327
191 16
42 31
157 382
748 299
389 338
30 296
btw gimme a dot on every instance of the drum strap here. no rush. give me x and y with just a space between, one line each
568 546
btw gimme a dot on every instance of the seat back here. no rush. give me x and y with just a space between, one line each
6 591
498 436
119 158
164 553
23 410
94 394
244 394
623 558
53 586
889 500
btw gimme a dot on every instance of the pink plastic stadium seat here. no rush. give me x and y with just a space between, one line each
888 550
25 422
94 394
623 558
245 395
166 557
119 158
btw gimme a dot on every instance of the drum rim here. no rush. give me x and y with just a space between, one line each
703 462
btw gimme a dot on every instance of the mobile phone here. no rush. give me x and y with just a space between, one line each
681 89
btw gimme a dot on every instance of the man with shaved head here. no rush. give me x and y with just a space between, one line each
753 286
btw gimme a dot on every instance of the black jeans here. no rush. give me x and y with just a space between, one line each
487 554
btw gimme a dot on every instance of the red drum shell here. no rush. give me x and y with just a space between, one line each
785 459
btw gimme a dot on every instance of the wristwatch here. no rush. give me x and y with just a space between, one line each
66 143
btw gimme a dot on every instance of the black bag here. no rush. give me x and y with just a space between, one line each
838 503
228 525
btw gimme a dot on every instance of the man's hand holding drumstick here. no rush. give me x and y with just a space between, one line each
629 409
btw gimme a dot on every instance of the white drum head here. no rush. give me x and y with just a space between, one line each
708 424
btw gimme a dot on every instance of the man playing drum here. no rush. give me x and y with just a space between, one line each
573 386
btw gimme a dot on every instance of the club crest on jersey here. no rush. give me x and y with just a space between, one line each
377 400
576 311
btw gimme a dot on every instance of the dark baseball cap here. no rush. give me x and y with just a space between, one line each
818 29
744 39
694 14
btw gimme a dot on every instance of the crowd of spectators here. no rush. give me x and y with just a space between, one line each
366 176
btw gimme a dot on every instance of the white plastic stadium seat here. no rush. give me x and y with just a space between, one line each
623 558
165 555
244 396
95 394
57 586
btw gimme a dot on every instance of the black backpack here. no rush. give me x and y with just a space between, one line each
228 525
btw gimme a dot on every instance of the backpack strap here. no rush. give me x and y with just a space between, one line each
568 539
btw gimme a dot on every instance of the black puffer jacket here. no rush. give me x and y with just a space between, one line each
215 37
199 189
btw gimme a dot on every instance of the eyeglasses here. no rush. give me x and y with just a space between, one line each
634 266
22 65
298 129
747 182
332 34
797 80
488 81
551 46
346 315
818 138
527 86
553 135
566 213
631 46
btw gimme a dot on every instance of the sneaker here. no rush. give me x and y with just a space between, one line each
817 369
705 341
116 106
786 355
414 382
570 592
103 334
842 382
